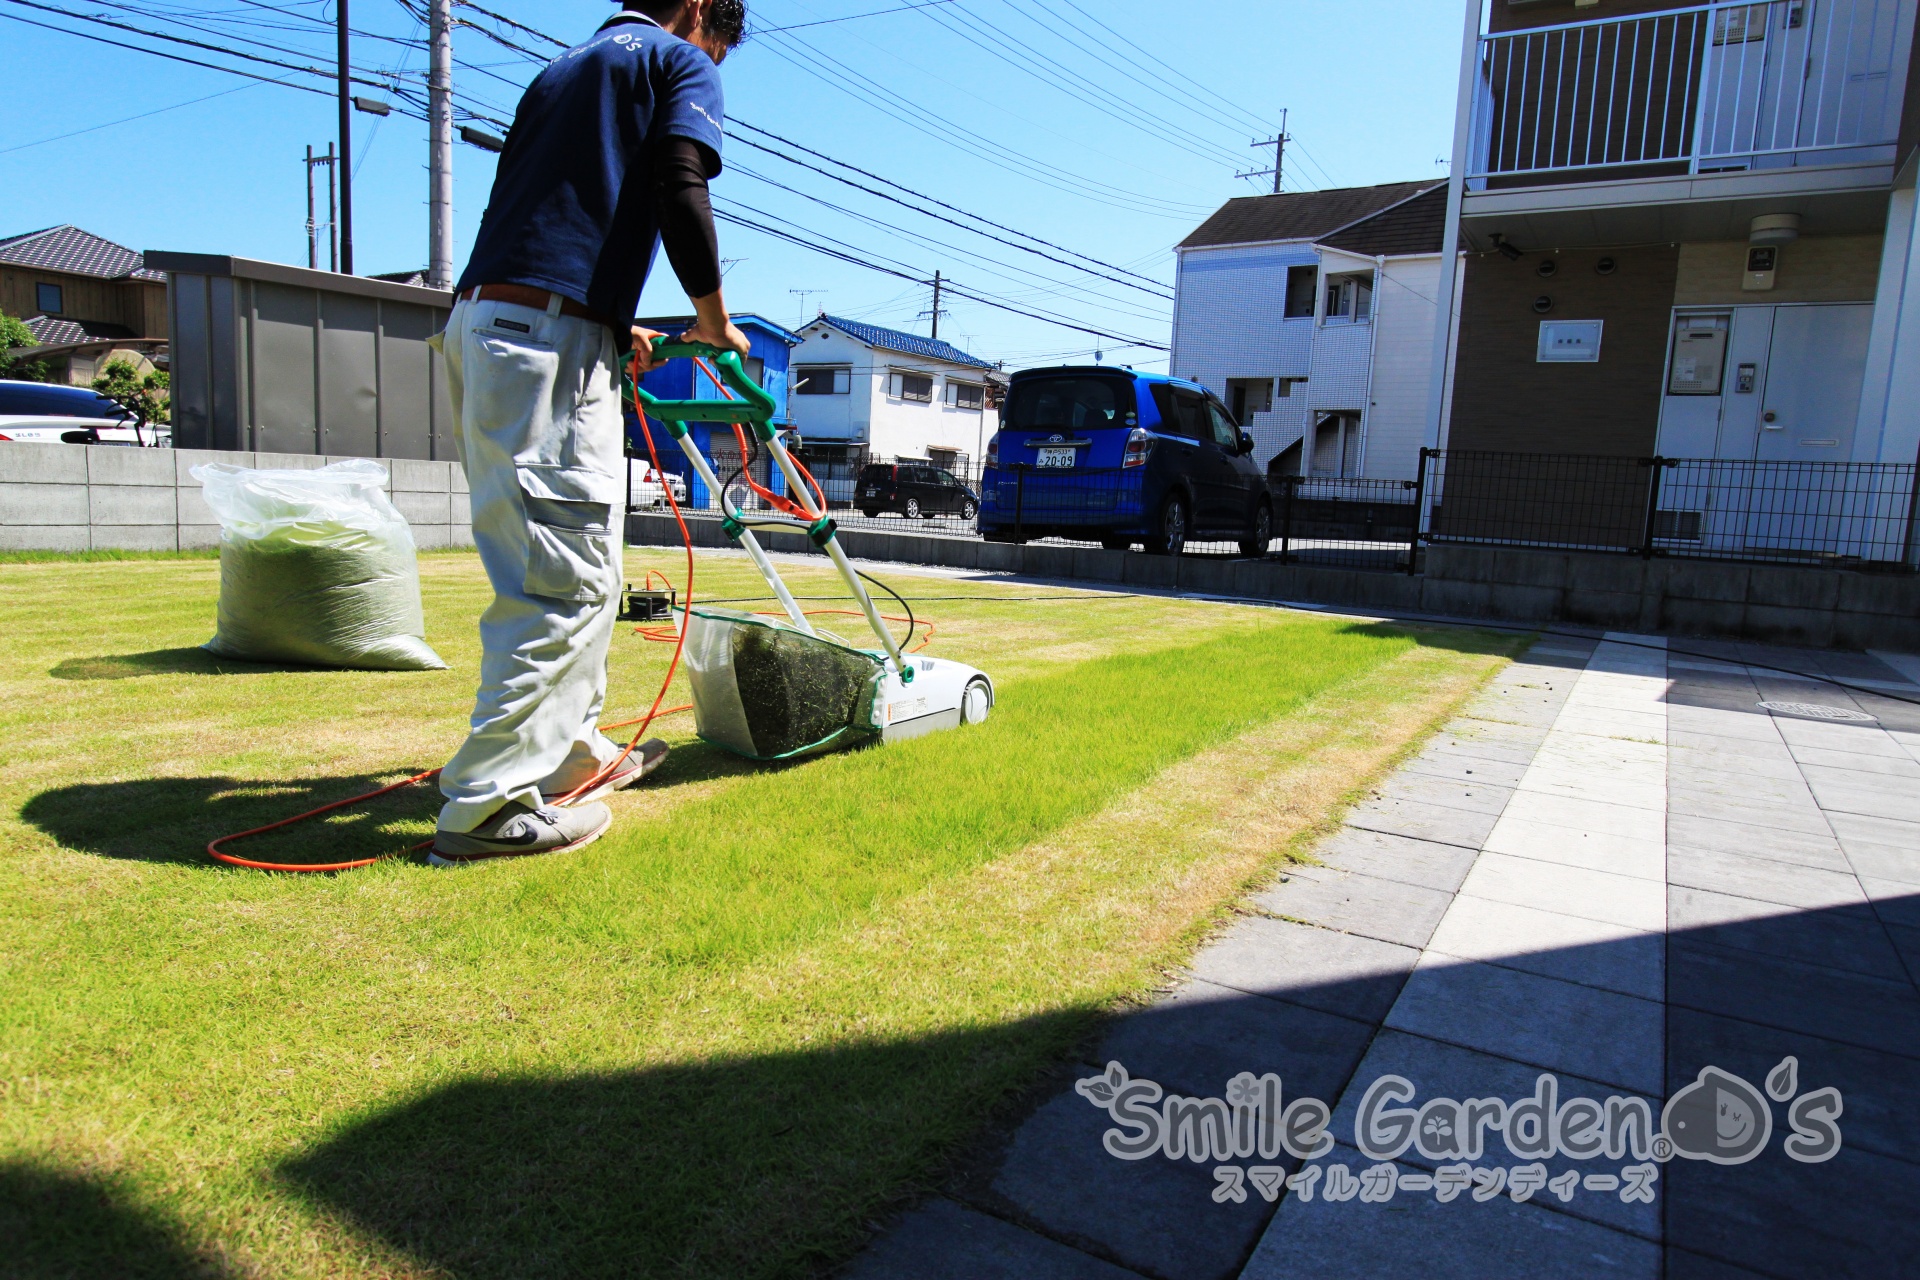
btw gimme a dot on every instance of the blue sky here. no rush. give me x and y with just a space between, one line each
1112 141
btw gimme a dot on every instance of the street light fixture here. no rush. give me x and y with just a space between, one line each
482 139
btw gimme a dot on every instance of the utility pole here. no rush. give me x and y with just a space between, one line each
803 295
313 241
1279 145
344 169
939 286
440 159
330 163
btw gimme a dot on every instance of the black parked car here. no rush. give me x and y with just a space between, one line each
915 490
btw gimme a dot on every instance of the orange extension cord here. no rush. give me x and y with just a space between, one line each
674 635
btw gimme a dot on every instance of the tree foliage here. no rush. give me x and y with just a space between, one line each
14 334
146 396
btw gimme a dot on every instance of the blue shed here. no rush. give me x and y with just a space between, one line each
768 358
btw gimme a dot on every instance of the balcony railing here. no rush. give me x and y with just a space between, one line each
1702 89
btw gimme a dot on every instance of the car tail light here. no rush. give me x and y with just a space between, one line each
993 450
1139 444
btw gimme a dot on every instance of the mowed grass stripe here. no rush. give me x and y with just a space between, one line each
805 847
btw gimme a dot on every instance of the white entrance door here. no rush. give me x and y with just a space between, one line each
1818 362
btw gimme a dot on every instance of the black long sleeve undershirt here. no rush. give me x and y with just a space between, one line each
684 212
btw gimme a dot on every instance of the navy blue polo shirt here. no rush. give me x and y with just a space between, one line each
572 204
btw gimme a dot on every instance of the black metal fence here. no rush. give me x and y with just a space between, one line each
1345 523
1835 514
1843 515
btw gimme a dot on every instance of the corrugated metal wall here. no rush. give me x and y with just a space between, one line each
303 367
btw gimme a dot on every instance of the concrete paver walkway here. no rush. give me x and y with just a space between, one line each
1614 868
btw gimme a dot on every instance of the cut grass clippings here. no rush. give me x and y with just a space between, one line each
766 1007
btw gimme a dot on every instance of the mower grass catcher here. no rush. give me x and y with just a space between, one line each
768 691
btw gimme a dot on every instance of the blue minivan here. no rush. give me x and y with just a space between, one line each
1124 458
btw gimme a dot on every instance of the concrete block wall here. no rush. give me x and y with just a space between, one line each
68 497
1816 608
1779 604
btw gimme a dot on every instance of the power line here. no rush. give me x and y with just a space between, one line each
171 57
197 44
939 245
969 140
852 168
852 17
505 21
1130 47
95 128
852 254
1158 292
1094 95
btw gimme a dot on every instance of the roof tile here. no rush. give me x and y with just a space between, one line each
54 331
68 248
911 344
1306 215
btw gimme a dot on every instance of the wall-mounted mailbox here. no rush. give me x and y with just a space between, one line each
1570 341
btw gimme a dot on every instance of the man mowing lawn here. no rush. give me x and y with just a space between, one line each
610 153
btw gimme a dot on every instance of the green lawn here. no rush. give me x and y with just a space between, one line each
759 1013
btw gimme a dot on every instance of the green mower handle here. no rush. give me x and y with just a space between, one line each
755 408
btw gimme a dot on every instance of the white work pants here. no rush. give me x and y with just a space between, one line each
537 398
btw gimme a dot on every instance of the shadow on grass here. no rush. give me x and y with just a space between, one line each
61 1226
756 1167
170 662
171 820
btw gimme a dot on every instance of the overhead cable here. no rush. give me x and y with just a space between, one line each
919 195
1157 291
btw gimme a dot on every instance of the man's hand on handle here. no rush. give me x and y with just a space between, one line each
643 348
713 327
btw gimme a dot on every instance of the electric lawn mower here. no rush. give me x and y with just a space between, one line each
773 688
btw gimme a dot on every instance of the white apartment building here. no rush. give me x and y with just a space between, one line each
862 390
1312 316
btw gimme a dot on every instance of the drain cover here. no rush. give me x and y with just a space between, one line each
1814 711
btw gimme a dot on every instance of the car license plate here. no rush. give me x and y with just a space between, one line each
1056 457
873 493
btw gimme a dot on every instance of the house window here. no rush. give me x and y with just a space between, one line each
821 380
1301 284
1248 396
1350 298
966 395
49 298
917 387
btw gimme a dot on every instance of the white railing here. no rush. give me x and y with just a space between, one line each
1711 87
